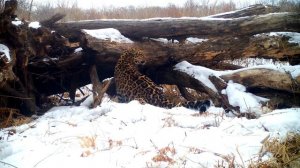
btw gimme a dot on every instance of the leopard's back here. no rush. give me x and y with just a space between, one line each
132 85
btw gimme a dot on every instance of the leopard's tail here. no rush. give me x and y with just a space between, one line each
201 106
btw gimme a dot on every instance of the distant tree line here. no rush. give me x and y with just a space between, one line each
34 10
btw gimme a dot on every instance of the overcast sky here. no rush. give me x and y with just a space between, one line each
122 3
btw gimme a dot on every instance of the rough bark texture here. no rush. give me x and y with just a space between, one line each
208 53
257 9
182 28
99 89
265 78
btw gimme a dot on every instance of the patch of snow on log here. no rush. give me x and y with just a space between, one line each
198 72
293 70
17 22
230 12
205 18
34 25
251 62
5 50
238 96
78 50
111 34
294 37
164 40
195 40
236 93
193 70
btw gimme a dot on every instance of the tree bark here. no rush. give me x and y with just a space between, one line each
281 88
99 89
209 53
265 78
257 9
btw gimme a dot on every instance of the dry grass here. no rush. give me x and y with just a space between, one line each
74 12
12 117
88 143
192 8
165 155
286 153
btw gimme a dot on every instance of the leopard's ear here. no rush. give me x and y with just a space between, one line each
126 52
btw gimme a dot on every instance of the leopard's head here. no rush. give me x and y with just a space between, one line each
137 56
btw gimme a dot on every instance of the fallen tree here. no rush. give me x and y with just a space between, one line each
46 63
187 27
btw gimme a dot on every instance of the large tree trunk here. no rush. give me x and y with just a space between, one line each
182 28
208 53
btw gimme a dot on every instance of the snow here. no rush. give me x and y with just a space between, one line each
198 72
202 73
281 122
131 135
294 37
164 40
250 62
110 34
79 49
293 70
195 40
230 12
17 22
135 135
34 25
236 93
238 96
4 49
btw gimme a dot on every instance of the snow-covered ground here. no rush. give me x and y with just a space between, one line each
135 135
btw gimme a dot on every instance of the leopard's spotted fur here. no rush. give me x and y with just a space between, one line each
132 85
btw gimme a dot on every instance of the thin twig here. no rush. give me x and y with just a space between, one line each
8 164
44 159
239 154
16 97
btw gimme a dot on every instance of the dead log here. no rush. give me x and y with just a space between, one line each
182 28
55 18
265 78
281 88
104 55
98 88
209 53
257 9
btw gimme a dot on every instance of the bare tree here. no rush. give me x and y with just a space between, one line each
1 5
30 10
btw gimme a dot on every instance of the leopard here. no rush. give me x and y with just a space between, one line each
131 84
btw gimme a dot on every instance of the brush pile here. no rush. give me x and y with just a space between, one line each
40 59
